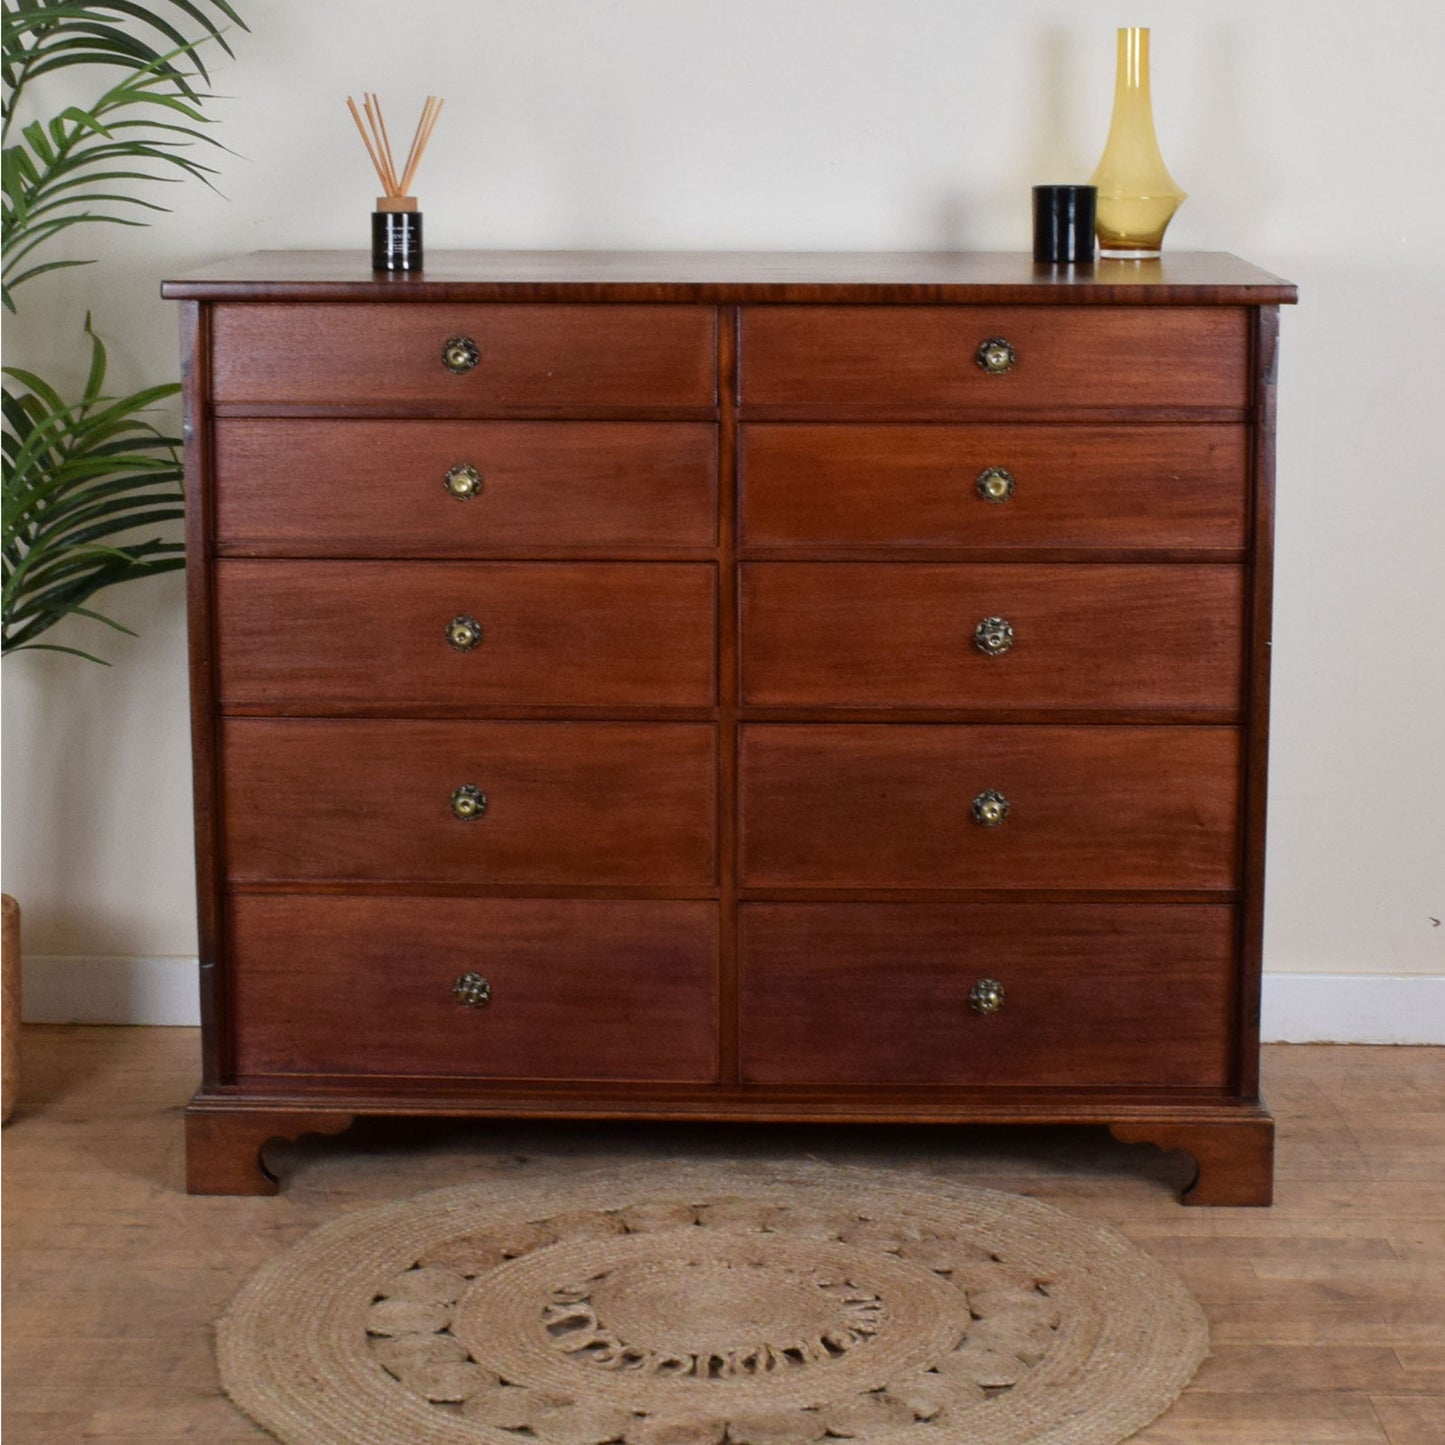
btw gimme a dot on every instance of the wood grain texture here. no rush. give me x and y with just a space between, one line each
846 634
727 721
579 990
535 359
1410 1419
812 360
376 489
195 354
1108 487
726 557
1190 278
330 637
567 803
1326 1312
1093 995
865 806
415 1096
1234 1163
1261 648
223 1151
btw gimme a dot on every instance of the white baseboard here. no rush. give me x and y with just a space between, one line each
1353 1008
1298 1008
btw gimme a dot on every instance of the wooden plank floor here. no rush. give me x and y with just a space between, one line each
1327 1312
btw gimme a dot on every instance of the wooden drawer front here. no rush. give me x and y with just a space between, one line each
579 990
1167 486
856 805
379 488
535 359
566 802
1094 995
329 636
922 360
857 634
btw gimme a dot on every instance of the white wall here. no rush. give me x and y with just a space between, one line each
1308 134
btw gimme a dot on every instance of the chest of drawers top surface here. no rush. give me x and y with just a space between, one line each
1206 278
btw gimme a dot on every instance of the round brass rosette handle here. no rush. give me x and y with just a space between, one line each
993 636
990 808
473 990
464 633
995 356
986 996
460 354
463 481
994 484
469 803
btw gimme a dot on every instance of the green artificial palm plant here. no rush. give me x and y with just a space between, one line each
85 477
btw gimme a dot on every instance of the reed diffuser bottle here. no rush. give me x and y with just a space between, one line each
396 235
1137 195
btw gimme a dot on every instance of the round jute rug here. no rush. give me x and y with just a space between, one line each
703 1304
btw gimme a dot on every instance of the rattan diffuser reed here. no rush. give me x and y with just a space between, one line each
396 184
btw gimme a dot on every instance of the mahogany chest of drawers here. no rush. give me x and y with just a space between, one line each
731 687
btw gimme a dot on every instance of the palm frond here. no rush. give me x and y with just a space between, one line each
92 488
83 479
45 35
58 174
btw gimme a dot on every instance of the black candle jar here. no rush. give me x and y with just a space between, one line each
396 241
1064 224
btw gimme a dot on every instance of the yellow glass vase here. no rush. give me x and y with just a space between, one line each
1137 195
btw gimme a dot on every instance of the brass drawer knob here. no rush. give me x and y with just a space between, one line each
990 808
995 356
460 354
986 996
463 481
993 636
469 803
994 484
464 633
473 990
